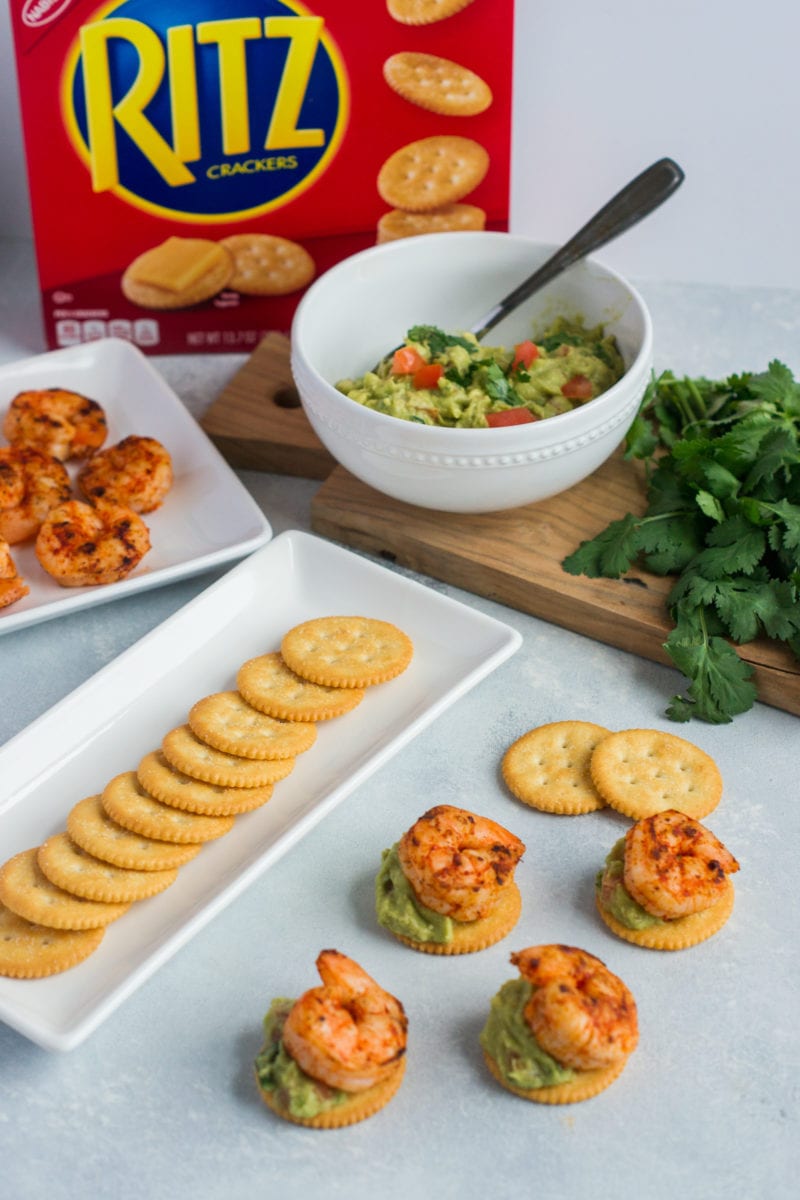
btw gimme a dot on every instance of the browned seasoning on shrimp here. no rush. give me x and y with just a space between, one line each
12 585
136 472
56 421
31 484
80 544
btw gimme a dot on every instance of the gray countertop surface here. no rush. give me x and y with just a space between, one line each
159 1101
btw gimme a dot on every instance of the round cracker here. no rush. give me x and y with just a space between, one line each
266 265
640 772
184 751
357 1107
215 276
437 84
451 218
267 683
585 1084
91 828
548 767
127 803
171 786
679 934
30 951
431 172
472 936
227 722
346 651
424 12
69 867
26 891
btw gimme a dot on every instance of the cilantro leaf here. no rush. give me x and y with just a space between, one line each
722 472
721 682
437 340
610 554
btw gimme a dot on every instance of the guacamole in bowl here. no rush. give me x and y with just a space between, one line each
453 380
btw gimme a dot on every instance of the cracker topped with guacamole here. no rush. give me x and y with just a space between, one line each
453 380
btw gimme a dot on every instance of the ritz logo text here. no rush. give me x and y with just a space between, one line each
206 119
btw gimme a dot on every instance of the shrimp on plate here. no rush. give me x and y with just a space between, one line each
674 866
136 472
81 544
457 862
579 1012
31 484
349 1033
59 422
12 585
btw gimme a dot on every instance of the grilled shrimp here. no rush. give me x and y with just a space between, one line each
457 862
136 472
348 1033
674 866
59 422
12 585
579 1012
31 483
80 545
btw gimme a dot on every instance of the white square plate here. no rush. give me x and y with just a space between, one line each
208 516
122 712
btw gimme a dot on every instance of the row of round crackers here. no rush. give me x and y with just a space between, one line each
128 842
426 180
574 767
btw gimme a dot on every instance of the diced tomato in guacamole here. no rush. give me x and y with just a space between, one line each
453 380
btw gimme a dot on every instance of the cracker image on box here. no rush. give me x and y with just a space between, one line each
265 265
178 273
336 1055
447 886
548 767
665 884
436 83
451 218
424 12
640 772
432 171
563 1030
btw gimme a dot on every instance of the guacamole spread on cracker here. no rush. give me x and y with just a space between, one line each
507 1038
453 380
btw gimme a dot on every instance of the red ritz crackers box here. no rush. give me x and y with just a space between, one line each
193 167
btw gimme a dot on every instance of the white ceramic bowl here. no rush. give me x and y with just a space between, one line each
361 308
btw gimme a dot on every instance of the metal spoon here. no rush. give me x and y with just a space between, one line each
635 201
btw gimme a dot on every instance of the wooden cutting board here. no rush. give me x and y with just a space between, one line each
512 557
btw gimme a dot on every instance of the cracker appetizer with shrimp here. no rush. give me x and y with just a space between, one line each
447 887
665 884
336 1055
563 1030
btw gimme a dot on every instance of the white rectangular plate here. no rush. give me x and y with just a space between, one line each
208 516
122 712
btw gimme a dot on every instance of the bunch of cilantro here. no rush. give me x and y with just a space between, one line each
722 463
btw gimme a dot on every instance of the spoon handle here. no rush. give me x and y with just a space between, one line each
634 201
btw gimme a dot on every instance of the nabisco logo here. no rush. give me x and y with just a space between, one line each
40 12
